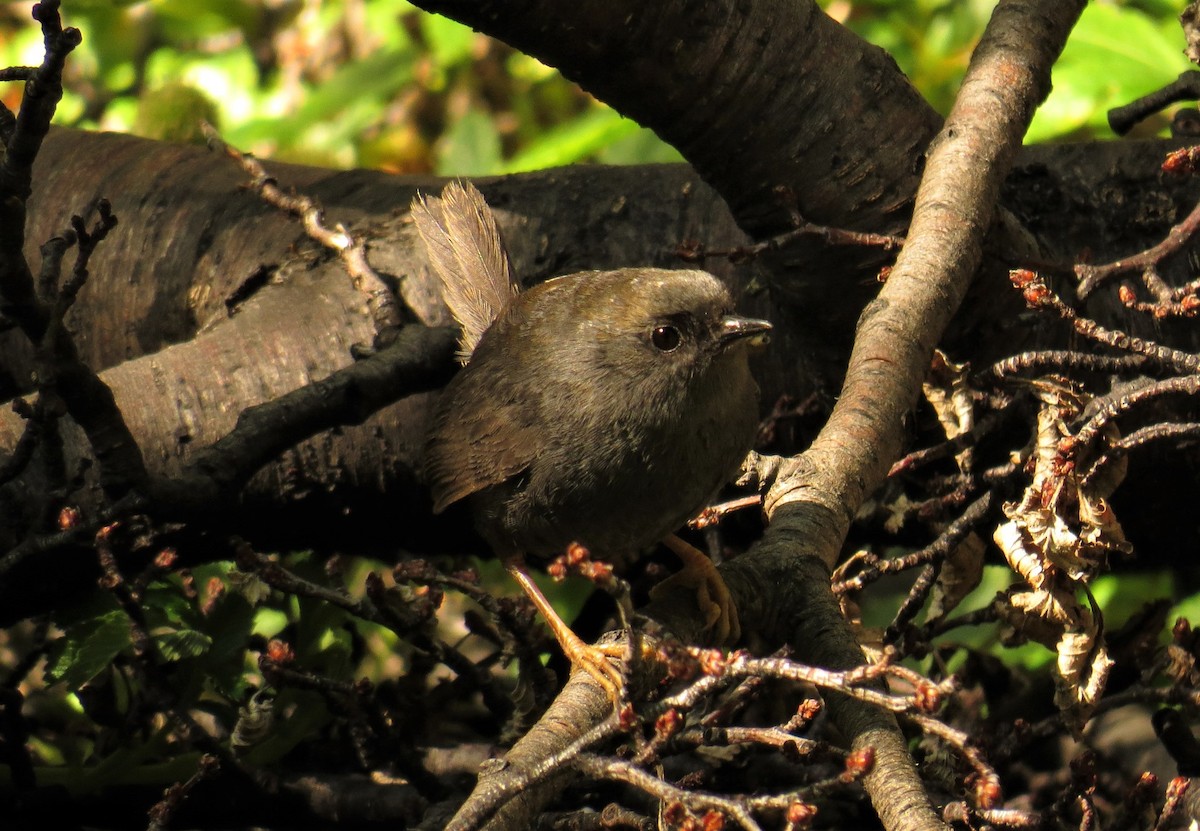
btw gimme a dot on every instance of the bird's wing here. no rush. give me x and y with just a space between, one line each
484 447
463 242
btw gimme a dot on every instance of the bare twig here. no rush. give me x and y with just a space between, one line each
1186 87
1188 431
987 781
1039 295
1092 277
695 801
1064 361
164 810
351 249
694 252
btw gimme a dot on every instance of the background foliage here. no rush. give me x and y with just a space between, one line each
376 83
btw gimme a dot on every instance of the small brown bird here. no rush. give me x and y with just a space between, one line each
603 408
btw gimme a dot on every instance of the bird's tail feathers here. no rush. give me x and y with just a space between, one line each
462 240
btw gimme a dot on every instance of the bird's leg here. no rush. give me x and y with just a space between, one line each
700 575
592 659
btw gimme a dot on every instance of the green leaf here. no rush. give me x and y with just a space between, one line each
166 606
640 147
269 622
225 661
450 42
1121 595
574 141
187 19
249 585
470 148
180 644
359 89
87 648
1113 56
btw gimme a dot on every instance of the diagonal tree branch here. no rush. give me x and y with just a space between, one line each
812 502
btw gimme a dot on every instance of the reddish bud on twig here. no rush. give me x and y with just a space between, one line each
928 697
987 792
1181 162
212 593
280 651
809 709
859 763
712 661
1182 630
668 724
800 815
598 572
467 575
415 571
68 518
674 813
577 554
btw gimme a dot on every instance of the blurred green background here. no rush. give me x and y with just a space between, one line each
378 83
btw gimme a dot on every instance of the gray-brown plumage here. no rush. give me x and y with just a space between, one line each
602 408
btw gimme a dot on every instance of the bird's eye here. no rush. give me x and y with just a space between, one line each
665 338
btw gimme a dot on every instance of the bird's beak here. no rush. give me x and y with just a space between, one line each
736 328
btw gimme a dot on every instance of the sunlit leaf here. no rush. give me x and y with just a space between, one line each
573 141
449 41
180 644
640 147
1113 56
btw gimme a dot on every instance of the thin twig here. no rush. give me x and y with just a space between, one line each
1092 277
1039 296
351 249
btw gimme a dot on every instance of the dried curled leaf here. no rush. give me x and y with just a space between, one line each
949 394
1066 528
961 573
947 391
1181 666
1083 667
1057 538
1023 556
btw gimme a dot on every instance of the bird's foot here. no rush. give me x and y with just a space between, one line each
700 576
597 661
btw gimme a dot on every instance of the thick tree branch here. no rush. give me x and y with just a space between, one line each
420 359
831 96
